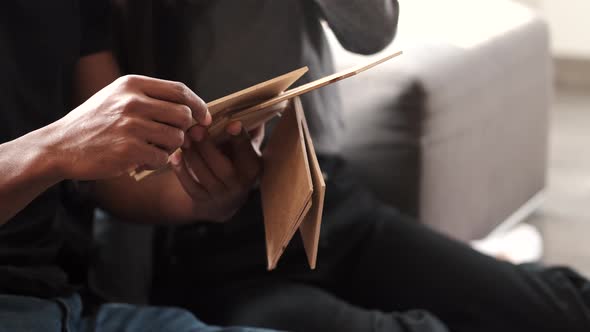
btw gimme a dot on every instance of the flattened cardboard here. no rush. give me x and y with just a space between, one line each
310 227
286 184
223 109
292 184
255 94
249 121
260 97
320 83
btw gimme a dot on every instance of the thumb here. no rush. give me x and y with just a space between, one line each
191 185
244 156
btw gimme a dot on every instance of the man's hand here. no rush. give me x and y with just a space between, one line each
218 182
135 121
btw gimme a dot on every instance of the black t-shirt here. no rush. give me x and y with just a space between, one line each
40 42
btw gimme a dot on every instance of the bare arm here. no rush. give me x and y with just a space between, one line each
121 196
174 196
133 121
362 26
27 168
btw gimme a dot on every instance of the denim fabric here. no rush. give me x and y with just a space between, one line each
30 314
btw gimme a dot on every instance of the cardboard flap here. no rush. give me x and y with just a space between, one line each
255 94
249 121
292 93
310 227
260 98
286 185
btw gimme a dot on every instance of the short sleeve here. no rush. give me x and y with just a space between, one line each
95 22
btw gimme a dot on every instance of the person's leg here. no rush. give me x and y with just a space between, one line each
218 272
129 318
31 314
402 265
393 263
374 258
294 306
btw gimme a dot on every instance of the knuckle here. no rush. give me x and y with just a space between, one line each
202 108
128 80
186 116
182 90
129 148
176 137
132 122
160 157
132 103
127 123
120 147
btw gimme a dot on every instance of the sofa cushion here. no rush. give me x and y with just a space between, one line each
455 130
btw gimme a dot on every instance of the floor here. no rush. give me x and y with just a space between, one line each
564 220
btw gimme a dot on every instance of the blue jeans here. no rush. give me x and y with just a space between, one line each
30 314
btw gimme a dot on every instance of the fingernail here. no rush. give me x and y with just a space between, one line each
235 129
175 158
208 119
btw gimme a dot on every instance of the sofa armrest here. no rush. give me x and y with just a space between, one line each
455 132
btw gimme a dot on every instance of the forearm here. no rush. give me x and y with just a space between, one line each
362 26
27 168
147 201
157 199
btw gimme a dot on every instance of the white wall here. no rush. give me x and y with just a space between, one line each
570 25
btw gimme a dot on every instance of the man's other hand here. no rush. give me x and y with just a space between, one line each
217 178
136 121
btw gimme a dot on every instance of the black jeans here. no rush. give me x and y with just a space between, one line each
377 271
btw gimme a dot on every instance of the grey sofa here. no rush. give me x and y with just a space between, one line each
455 131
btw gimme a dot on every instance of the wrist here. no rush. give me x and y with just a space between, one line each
44 153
